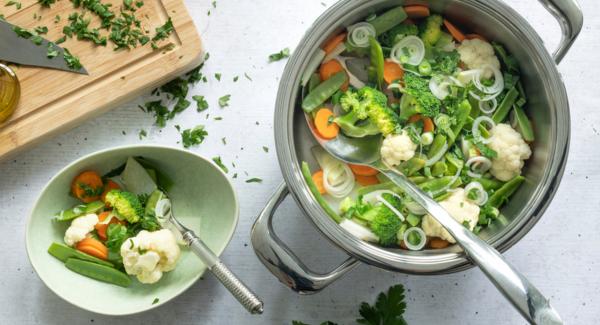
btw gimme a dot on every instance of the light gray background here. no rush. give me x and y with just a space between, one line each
560 255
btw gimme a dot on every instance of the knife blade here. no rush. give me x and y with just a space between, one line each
16 49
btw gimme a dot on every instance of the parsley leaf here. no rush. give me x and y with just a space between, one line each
254 180
485 150
155 301
142 134
51 52
218 76
224 101
162 32
219 163
41 30
201 103
388 309
17 4
279 55
191 137
46 3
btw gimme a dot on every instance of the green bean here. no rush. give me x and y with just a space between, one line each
388 20
315 192
376 61
503 193
412 166
489 183
323 91
438 144
436 184
504 107
524 124
462 114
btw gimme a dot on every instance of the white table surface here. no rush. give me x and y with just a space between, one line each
240 35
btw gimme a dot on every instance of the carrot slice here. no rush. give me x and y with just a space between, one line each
438 243
102 227
362 170
318 180
366 180
474 36
333 43
110 185
417 11
331 67
392 71
93 247
427 122
324 124
456 33
87 186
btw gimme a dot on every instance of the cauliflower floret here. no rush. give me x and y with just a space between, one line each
149 254
397 148
512 152
79 228
461 209
476 53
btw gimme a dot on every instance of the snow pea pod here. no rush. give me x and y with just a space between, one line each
314 81
79 210
376 54
323 91
462 114
315 192
439 169
523 123
388 19
412 166
436 184
489 184
503 193
98 272
505 106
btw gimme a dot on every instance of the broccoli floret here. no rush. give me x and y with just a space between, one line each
384 223
432 30
422 101
126 204
446 62
370 105
394 35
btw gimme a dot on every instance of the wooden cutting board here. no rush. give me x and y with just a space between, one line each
53 101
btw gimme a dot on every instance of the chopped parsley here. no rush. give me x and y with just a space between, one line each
97 7
71 60
17 4
192 137
224 101
46 3
247 76
219 163
224 140
218 76
57 19
142 134
265 149
155 301
279 55
160 111
41 30
162 32
254 180
79 26
201 103
52 51
235 79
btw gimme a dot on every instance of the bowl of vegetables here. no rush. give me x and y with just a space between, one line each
97 231
460 96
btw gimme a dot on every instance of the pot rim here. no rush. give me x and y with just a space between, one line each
423 262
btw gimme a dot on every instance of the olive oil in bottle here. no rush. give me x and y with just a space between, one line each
9 92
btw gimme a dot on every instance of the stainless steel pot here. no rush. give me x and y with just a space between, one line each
547 105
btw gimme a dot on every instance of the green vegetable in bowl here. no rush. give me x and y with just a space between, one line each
126 204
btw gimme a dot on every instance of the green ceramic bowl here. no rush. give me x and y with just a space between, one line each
203 200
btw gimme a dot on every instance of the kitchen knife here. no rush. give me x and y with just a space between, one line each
16 49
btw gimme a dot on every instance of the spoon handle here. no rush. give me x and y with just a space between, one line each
526 298
229 280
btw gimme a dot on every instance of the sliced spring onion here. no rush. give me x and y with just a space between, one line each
477 133
422 238
358 34
415 208
358 231
338 50
463 78
352 79
377 196
477 166
410 50
426 138
438 155
313 65
498 84
439 86
338 179
488 107
481 195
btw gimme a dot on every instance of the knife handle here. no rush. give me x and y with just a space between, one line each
10 91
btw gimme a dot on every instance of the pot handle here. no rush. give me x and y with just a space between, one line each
281 261
570 18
